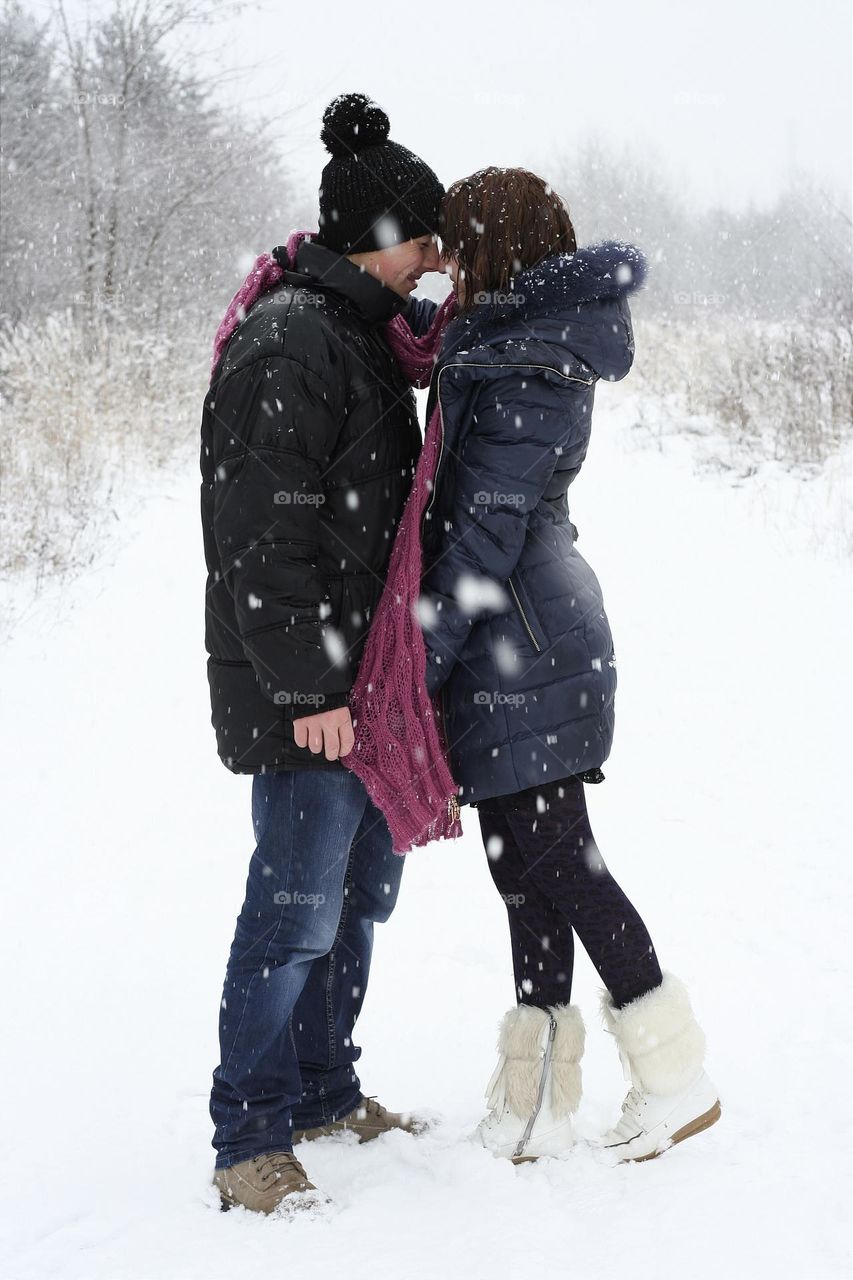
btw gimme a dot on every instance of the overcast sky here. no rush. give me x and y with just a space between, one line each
726 96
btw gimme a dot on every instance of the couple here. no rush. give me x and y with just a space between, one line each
310 442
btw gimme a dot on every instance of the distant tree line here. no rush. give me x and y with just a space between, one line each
790 260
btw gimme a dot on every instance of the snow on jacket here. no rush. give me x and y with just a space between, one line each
517 636
309 441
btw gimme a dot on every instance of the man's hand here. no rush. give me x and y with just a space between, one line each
330 729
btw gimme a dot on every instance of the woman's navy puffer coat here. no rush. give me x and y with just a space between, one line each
517 636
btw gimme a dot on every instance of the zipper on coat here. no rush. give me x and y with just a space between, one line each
441 442
537 646
546 1063
469 364
462 364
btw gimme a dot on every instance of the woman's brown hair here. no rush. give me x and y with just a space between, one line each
497 223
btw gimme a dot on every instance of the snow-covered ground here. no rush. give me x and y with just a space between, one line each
724 815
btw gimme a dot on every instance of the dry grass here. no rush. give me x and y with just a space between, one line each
776 391
83 410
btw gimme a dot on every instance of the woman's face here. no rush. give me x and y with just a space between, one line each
450 267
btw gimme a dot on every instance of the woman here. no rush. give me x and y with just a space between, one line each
520 654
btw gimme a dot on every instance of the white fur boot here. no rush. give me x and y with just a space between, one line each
536 1085
662 1048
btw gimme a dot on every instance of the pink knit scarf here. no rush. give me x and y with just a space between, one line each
400 754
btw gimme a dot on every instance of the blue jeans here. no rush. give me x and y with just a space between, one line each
322 874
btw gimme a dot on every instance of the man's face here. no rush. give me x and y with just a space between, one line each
400 267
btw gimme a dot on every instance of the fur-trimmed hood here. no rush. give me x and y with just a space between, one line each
574 303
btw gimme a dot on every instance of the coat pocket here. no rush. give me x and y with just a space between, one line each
525 612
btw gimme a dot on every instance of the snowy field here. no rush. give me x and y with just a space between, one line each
724 815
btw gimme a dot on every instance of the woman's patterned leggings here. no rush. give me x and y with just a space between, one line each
552 878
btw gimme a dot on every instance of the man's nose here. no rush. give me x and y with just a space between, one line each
432 262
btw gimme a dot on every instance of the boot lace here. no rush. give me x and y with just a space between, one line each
632 1104
275 1163
372 1106
629 1124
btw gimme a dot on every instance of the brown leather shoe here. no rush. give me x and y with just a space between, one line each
368 1119
264 1183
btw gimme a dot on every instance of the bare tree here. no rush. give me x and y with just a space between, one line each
129 192
36 136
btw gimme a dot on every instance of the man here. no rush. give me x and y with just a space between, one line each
309 444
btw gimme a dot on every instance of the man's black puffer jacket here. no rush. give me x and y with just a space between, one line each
309 441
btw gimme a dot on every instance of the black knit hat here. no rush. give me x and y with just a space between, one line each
374 192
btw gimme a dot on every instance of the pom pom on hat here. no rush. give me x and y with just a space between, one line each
374 193
352 122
